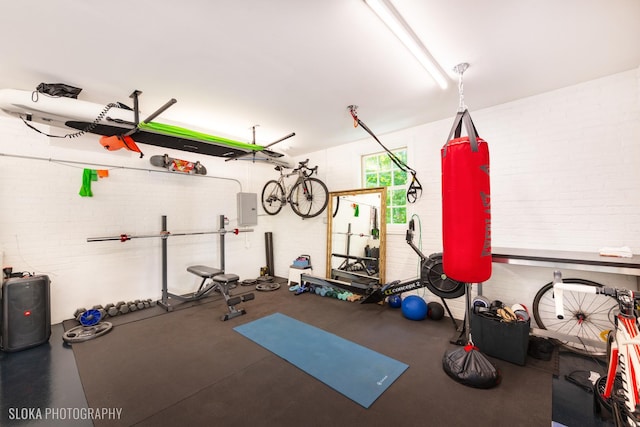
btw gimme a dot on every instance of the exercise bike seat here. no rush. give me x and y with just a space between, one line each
204 271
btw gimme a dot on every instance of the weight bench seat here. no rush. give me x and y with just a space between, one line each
215 279
225 278
204 271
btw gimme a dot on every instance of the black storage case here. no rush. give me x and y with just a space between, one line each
25 312
503 340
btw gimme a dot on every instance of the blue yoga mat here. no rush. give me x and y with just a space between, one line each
357 372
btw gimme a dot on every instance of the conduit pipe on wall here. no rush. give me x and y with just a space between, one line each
62 161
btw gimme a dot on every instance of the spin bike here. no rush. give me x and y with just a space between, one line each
619 390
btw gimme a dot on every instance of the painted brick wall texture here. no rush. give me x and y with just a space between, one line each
565 175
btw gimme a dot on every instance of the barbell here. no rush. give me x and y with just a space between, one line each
164 235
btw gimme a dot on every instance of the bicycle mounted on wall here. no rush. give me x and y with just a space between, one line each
307 196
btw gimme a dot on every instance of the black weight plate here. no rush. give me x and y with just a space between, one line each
85 333
434 278
267 286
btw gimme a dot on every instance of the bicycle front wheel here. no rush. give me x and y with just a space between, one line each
309 197
273 197
587 316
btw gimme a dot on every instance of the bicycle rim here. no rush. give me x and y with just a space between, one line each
309 198
272 197
587 316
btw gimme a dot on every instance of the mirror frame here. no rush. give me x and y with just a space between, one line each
383 227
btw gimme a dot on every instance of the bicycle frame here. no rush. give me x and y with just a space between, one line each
288 189
623 348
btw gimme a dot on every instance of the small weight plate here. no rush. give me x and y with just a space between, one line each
90 317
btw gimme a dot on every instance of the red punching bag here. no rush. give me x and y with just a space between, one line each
466 204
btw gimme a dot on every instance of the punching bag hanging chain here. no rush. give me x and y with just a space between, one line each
460 69
461 106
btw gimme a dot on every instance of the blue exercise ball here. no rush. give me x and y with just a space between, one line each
414 308
395 301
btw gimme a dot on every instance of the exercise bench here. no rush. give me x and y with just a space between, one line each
220 282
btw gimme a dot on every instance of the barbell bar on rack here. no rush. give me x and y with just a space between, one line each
164 235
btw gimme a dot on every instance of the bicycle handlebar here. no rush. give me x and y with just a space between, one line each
559 287
558 291
309 171
302 168
306 170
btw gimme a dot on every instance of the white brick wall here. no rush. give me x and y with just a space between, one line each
564 176
44 223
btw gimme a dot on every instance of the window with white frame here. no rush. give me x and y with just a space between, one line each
378 170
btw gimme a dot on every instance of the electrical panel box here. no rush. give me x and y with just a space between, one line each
247 209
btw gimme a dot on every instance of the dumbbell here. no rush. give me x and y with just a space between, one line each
108 309
123 307
119 308
103 312
78 313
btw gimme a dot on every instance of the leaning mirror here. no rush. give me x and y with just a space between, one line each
356 235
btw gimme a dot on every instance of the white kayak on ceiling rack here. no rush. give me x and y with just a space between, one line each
118 119
58 110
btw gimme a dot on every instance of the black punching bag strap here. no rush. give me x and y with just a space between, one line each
456 129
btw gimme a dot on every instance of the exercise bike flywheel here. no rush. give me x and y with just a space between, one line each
434 278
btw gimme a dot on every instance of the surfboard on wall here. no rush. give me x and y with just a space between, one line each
117 119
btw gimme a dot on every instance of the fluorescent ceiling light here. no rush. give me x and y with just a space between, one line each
390 16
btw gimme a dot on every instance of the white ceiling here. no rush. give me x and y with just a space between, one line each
295 65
